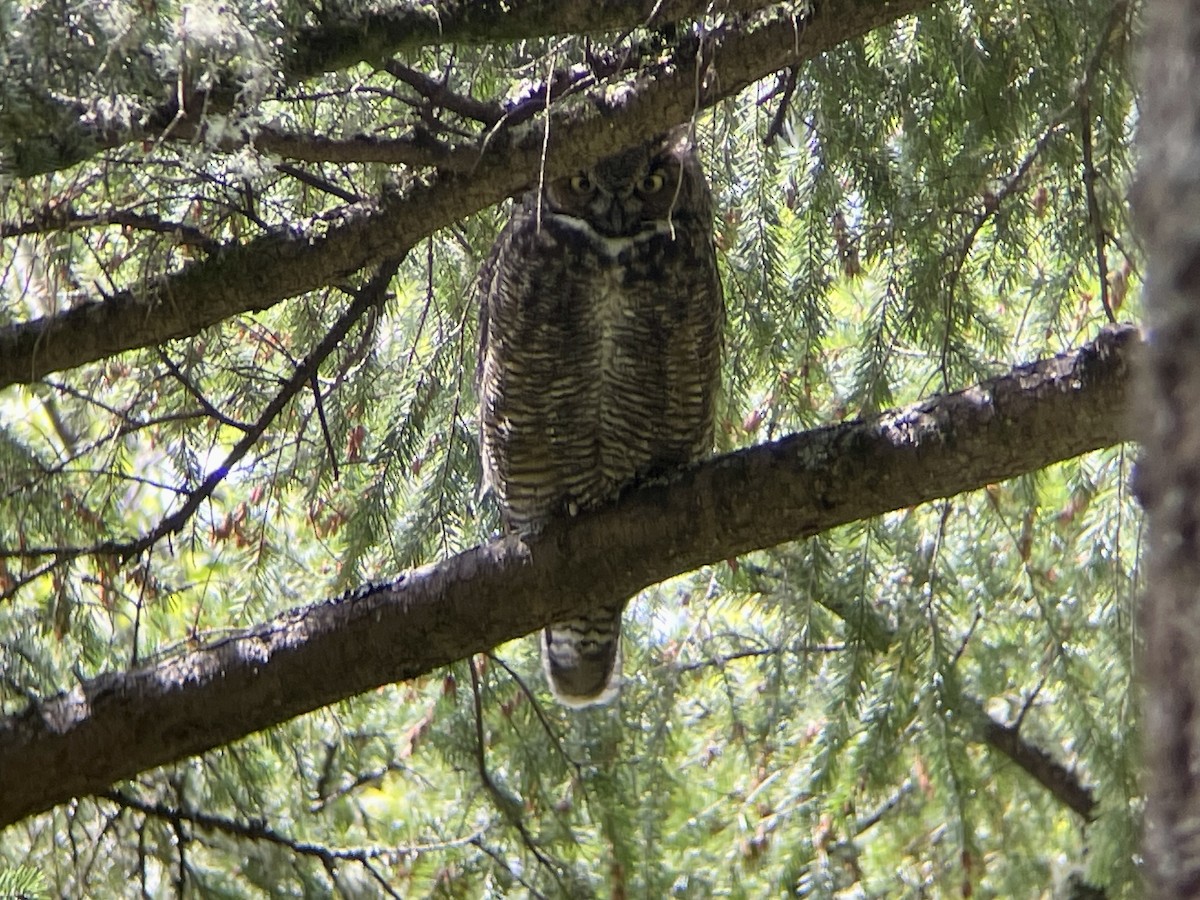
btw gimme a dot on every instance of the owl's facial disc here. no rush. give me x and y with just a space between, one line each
622 196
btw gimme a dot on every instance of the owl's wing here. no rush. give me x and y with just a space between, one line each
493 292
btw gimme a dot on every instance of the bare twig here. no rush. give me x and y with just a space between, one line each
321 184
1093 205
438 94
320 407
786 88
191 388
63 217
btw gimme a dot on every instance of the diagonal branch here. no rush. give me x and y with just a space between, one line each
121 723
258 274
1047 771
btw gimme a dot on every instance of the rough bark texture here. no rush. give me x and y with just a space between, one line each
116 725
373 36
1168 206
259 274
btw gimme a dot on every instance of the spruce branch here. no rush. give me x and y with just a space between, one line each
1062 784
304 375
113 726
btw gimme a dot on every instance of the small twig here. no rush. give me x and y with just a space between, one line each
788 81
1029 701
362 779
316 181
438 94
320 407
966 641
191 388
18 583
509 806
874 817
137 618
1093 205
554 735
719 661
499 858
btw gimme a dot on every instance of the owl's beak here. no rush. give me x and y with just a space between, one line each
619 218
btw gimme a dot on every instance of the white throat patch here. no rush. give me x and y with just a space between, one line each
612 246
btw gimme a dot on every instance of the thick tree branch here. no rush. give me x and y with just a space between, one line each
341 41
121 723
256 275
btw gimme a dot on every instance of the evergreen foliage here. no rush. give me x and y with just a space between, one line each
903 215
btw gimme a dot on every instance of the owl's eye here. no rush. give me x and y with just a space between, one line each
653 183
581 184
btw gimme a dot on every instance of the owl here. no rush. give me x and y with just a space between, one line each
601 319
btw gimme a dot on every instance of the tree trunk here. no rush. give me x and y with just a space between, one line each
1168 207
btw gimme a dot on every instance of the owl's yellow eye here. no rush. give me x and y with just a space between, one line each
581 184
652 183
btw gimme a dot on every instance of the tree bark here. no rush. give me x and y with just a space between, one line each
121 723
262 272
1168 207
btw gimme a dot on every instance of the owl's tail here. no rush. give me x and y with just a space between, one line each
582 658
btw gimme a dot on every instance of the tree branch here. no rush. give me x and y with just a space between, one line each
372 37
342 38
258 274
1047 771
121 723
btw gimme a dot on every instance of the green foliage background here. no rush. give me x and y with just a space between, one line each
805 721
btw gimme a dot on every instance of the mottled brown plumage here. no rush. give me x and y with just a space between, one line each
600 337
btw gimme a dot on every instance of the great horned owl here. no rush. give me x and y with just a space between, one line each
600 328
